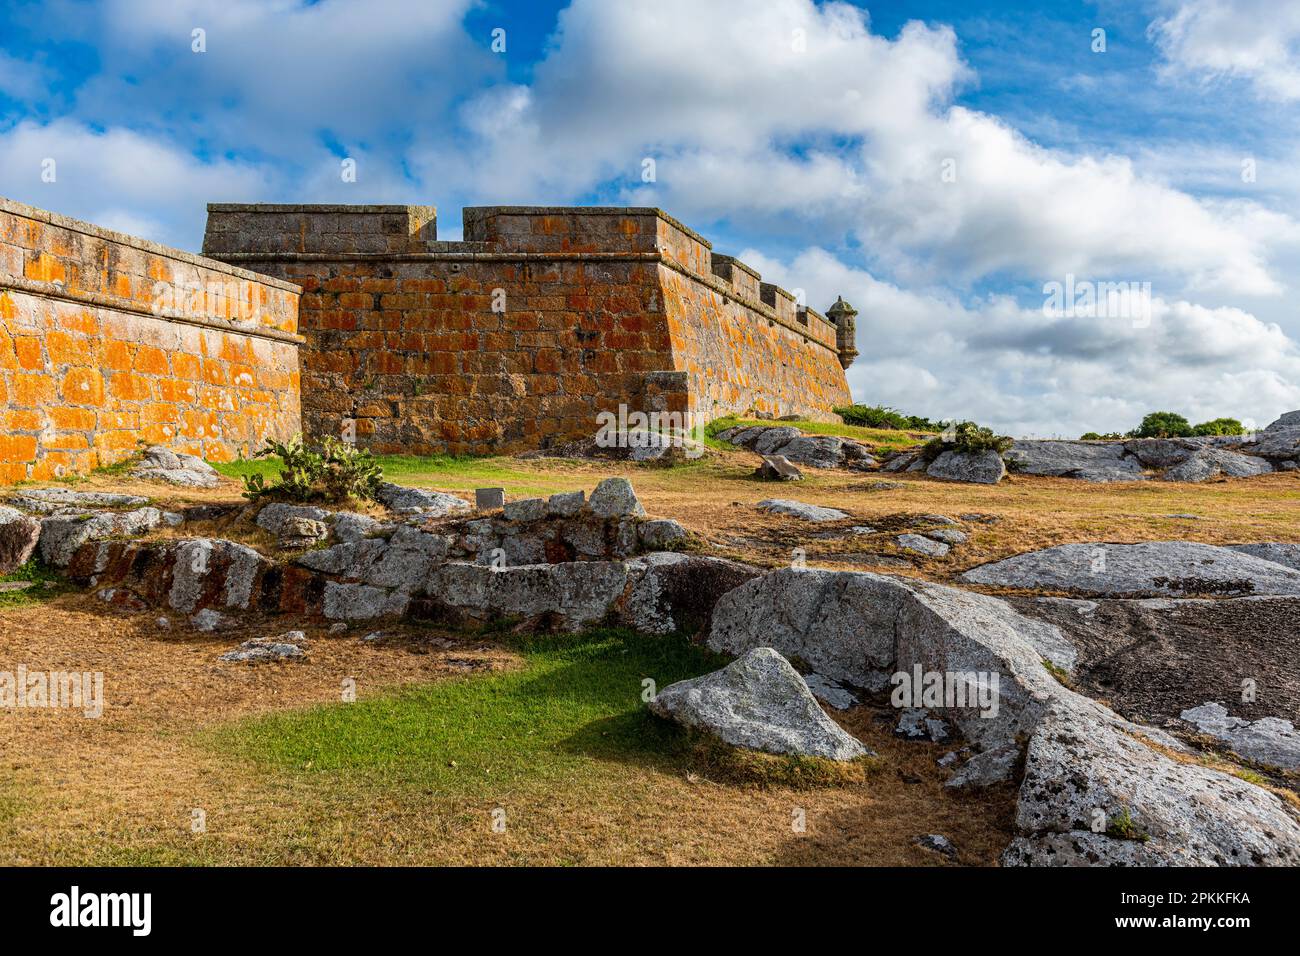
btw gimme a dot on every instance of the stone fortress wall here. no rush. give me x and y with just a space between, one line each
108 342
520 335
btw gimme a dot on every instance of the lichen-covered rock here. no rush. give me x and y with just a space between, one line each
273 516
297 533
800 509
567 596
525 509
778 468
1086 460
431 504
1211 462
1095 795
19 534
983 468
1162 452
260 650
1280 441
361 602
50 500
62 534
759 702
177 468
565 504
614 498
1152 567
672 592
948 535
209 572
1269 740
815 451
661 533
775 437
350 526
920 544
1279 552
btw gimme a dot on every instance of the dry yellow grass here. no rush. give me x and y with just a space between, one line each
122 788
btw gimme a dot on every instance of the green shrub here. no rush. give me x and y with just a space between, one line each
1108 436
1220 426
882 416
1163 425
332 471
966 437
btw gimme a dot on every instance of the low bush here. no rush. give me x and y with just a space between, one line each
1219 426
1163 425
882 416
966 437
332 471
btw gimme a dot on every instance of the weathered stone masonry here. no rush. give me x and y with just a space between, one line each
518 336
107 341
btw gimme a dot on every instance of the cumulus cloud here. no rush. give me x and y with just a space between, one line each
120 179
1036 371
1254 40
793 116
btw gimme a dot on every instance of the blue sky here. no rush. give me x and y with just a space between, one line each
937 163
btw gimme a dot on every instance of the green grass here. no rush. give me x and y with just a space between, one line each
575 703
47 585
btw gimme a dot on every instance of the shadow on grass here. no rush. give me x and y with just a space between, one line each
576 703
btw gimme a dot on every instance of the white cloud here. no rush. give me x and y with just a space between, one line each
848 137
121 179
1255 40
1027 373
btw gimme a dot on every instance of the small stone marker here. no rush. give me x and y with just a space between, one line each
489 499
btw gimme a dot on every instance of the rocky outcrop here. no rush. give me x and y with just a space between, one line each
1278 552
1280 441
1209 463
1094 794
162 464
1269 740
761 703
62 534
814 451
923 545
778 468
615 498
983 468
1154 567
1096 789
18 536
1087 460
801 510
51 500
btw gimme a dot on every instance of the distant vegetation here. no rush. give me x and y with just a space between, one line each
1172 425
966 437
882 416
